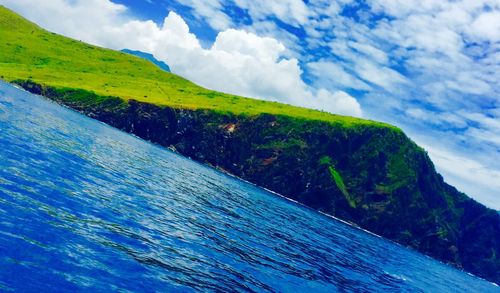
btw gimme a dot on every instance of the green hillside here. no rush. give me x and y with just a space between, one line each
29 52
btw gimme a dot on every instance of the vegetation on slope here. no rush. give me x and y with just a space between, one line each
362 171
29 52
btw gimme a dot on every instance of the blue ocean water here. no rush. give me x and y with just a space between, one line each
85 207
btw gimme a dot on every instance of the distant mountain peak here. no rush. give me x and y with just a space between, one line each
164 66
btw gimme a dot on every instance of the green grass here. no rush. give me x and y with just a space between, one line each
339 182
341 186
325 160
28 52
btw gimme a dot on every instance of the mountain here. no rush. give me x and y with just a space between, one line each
148 57
365 172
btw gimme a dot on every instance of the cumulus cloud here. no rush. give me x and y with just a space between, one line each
82 19
238 62
338 101
236 41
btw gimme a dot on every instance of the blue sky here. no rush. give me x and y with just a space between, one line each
431 67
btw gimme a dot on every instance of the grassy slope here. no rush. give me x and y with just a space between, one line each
29 52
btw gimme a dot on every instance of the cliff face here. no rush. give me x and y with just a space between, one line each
372 176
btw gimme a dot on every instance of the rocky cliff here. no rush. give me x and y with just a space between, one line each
375 177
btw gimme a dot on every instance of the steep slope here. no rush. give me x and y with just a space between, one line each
162 65
362 171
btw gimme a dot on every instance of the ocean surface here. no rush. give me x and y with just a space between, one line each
85 207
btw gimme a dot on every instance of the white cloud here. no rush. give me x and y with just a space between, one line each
82 19
485 121
484 136
423 32
210 10
293 12
239 62
333 74
340 48
337 102
379 75
236 41
443 120
467 83
369 51
487 26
